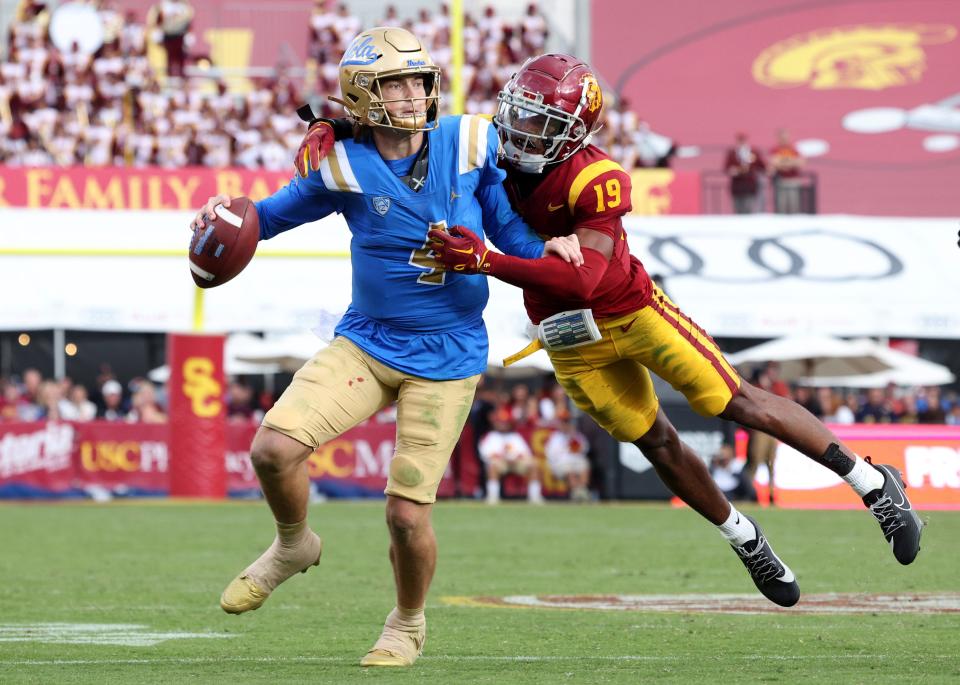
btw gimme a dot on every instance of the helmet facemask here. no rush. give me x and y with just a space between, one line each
533 133
424 109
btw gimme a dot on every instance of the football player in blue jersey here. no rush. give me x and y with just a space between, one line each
413 333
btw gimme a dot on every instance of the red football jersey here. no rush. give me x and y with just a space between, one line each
588 190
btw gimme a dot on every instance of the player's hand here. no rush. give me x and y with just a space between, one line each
314 147
567 247
461 250
207 211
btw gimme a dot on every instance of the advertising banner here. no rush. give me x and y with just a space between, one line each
664 191
121 456
768 276
199 444
59 459
36 457
927 456
115 188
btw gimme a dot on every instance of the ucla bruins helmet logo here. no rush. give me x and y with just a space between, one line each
376 56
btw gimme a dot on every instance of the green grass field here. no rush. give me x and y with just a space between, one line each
161 567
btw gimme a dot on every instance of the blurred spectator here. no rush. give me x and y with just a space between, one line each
805 397
566 452
652 149
930 408
731 477
144 407
533 31
785 166
112 394
834 410
239 402
48 399
875 409
76 407
111 108
30 405
172 19
524 408
553 405
777 385
762 448
745 167
504 451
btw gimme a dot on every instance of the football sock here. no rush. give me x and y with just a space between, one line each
864 478
493 489
737 529
410 617
836 460
290 534
533 490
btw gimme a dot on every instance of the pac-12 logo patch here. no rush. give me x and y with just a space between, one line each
381 204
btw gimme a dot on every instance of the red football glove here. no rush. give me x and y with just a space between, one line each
315 146
461 250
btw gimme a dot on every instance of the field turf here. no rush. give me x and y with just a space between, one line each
159 568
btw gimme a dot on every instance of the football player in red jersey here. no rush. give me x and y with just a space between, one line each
606 325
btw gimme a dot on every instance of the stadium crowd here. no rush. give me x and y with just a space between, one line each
28 396
118 107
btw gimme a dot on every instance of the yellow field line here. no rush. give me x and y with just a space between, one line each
132 252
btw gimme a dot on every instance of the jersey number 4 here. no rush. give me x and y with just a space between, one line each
423 258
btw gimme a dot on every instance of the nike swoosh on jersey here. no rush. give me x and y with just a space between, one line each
552 208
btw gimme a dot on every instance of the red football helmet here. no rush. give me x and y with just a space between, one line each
548 111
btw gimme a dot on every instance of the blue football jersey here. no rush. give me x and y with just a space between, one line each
404 312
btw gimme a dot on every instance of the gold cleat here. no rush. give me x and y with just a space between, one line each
249 590
399 645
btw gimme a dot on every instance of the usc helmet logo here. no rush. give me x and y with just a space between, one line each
592 93
867 57
201 387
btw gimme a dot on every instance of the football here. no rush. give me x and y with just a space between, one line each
224 246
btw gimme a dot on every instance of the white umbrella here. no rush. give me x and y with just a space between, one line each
814 355
289 351
237 344
906 370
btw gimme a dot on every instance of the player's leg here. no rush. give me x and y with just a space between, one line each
631 413
682 471
690 361
312 410
430 419
527 468
880 486
495 471
578 476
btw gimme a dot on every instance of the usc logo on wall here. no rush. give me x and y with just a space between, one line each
201 387
866 57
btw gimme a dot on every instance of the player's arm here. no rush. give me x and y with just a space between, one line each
598 201
316 144
299 202
507 229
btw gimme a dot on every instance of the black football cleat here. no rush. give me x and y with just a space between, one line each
900 524
772 577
